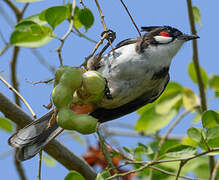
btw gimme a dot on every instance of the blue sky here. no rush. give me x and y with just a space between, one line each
145 13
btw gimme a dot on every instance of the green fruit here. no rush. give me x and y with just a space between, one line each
59 73
94 98
93 82
81 123
85 124
65 119
72 78
61 96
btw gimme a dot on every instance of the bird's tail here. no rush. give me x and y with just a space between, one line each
32 138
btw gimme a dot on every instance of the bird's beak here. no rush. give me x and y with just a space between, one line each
187 37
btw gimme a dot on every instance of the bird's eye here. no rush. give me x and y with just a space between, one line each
165 34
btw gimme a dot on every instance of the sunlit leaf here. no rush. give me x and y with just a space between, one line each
167 104
74 175
49 161
195 133
151 121
192 74
189 141
86 17
189 99
214 82
5 124
197 15
210 119
31 34
180 151
56 15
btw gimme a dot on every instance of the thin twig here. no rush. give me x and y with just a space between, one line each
13 8
18 94
101 16
62 39
94 50
214 172
181 164
103 22
198 72
105 151
40 82
82 3
83 35
40 165
172 126
171 174
4 49
131 17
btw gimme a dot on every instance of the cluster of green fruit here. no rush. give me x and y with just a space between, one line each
74 86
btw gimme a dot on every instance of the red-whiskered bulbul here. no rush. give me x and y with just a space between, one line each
137 73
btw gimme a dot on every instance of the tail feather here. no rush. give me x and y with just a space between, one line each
32 138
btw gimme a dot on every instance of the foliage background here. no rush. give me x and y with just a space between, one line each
157 12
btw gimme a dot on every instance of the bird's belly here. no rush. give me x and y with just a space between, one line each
125 91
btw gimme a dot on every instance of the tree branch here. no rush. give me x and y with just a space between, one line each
198 72
54 148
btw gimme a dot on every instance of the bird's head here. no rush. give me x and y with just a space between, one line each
165 40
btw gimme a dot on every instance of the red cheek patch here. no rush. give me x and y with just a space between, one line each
165 34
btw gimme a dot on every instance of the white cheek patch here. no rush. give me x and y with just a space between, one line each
163 39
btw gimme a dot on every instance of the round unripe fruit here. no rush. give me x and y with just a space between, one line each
72 78
93 82
61 96
65 119
59 73
85 124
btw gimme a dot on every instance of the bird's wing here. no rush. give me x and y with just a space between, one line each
103 114
32 138
126 42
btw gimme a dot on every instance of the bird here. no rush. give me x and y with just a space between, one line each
137 73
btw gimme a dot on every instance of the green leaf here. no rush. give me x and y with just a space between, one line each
74 175
49 161
216 93
128 150
142 149
214 82
151 121
103 175
210 119
86 18
56 15
180 151
197 15
212 133
195 133
192 74
5 124
27 1
34 18
167 104
31 34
